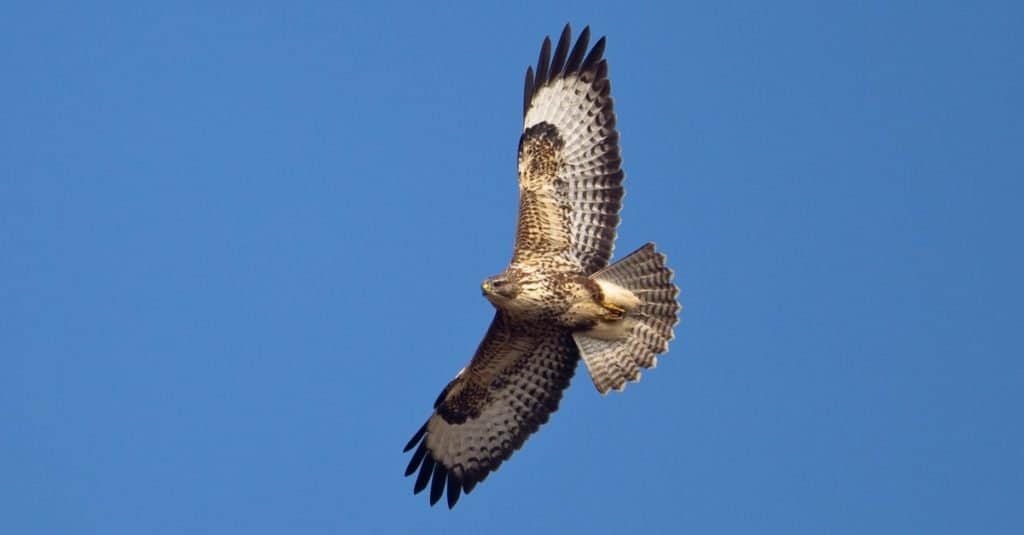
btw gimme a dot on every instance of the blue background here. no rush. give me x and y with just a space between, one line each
240 250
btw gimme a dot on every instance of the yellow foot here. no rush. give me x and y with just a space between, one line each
615 312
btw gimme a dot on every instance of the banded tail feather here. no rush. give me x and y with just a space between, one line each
647 328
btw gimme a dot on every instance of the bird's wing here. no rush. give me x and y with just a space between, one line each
514 382
570 175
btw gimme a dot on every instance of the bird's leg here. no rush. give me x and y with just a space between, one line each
613 311
616 300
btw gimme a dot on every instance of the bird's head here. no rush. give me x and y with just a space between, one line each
499 288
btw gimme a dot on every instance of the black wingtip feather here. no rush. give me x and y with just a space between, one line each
415 438
425 470
561 51
528 90
437 485
564 62
542 62
576 57
454 487
594 56
417 458
444 392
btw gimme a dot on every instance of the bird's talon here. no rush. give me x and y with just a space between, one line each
615 312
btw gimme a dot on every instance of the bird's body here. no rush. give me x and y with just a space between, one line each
558 300
543 293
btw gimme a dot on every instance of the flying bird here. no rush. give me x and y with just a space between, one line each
558 300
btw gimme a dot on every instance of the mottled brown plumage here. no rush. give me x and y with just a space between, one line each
558 300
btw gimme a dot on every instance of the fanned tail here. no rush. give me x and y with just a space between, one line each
647 328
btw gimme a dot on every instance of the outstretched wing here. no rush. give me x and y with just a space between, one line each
514 382
570 175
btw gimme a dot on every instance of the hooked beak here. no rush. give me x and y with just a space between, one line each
499 287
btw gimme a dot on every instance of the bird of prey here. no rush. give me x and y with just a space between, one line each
558 300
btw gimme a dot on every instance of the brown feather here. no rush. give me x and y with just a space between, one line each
570 174
527 370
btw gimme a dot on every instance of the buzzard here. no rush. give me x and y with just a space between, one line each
558 300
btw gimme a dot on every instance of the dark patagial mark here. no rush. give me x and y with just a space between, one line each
542 132
540 154
464 402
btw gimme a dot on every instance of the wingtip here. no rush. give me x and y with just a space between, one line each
415 438
595 55
579 50
543 60
426 469
417 459
454 488
562 58
528 90
437 486
561 53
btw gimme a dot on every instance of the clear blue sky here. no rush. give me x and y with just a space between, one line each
241 247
